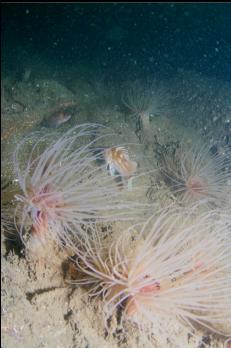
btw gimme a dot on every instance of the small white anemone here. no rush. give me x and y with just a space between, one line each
194 174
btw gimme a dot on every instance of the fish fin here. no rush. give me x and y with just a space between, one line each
133 166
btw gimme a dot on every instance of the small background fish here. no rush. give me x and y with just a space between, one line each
62 114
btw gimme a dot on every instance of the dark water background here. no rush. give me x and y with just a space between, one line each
122 41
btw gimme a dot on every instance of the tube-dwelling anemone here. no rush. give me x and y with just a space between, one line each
193 173
64 187
176 271
147 97
145 100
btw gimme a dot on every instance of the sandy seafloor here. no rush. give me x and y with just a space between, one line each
38 308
